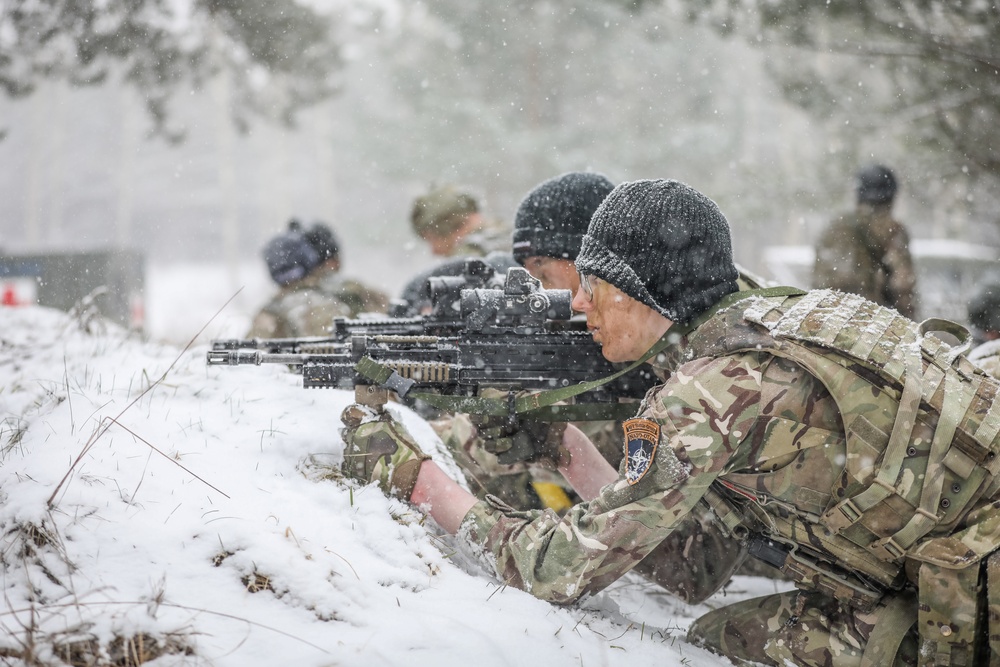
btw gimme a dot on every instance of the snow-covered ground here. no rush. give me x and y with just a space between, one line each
151 505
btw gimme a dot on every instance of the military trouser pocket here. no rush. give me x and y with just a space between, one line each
951 614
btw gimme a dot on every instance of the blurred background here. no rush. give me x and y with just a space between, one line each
154 146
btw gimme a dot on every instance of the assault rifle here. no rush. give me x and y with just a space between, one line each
512 338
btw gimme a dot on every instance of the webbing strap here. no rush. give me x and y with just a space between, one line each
894 621
730 299
729 516
956 402
848 511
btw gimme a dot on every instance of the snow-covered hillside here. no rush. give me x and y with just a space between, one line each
152 506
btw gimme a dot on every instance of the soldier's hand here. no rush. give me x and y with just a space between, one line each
519 440
379 449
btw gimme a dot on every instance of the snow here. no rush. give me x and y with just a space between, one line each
145 495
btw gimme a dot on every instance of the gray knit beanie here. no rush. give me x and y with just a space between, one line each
664 244
553 218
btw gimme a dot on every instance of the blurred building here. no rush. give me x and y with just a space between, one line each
109 281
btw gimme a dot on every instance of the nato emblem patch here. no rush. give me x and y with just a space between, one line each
641 439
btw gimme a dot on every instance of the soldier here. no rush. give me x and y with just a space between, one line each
450 222
306 265
358 297
867 252
984 315
829 434
549 227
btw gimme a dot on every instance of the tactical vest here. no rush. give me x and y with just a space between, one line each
888 378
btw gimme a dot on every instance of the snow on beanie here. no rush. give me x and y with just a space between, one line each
553 218
664 244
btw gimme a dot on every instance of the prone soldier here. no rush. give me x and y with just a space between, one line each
449 220
305 263
836 439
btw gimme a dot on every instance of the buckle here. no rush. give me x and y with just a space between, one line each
843 515
887 549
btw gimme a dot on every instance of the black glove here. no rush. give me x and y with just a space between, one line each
514 440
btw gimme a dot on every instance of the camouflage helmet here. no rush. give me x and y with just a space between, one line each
984 307
441 211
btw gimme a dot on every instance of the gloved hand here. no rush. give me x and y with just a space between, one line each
517 440
379 449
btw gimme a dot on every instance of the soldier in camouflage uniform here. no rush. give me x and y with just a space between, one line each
984 315
867 252
306 266
549 227
836 439
450 222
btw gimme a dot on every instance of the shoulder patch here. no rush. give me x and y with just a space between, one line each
642 436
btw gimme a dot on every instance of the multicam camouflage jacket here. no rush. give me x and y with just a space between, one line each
813 460
307 307
867 252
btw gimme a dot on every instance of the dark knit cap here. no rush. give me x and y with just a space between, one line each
324 241
290 257
876 185
664 244
553 218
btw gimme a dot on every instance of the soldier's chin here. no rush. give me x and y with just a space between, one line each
610 355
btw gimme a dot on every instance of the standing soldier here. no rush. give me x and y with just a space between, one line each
867 252
833 437
305 264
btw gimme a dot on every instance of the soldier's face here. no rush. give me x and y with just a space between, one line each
554 273
624 327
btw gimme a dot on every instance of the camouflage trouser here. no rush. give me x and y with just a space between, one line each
796 628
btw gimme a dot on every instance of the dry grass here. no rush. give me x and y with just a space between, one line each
120 652
257 582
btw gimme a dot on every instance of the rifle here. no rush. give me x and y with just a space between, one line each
512 338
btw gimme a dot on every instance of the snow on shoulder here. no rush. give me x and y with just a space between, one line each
156 510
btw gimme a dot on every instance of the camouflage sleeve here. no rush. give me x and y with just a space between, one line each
485 476
902 277
705 410
710 557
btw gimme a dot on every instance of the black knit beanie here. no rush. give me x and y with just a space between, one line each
664 244
876 185
553 218
290 257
